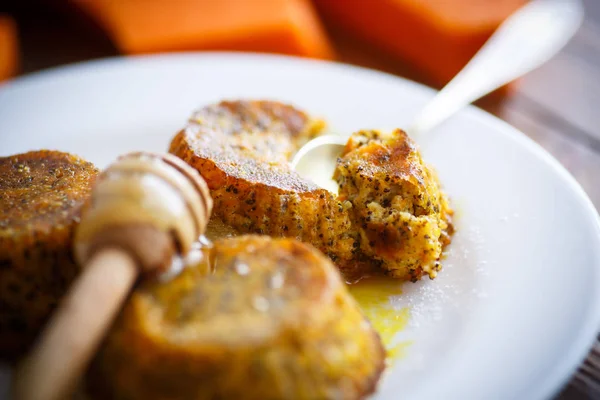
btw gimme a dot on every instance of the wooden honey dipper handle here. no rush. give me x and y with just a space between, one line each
144 209
77 328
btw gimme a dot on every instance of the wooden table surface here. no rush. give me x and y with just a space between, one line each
557 105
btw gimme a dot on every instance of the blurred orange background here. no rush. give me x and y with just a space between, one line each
435 37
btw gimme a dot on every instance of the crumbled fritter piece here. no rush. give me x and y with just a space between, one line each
399 210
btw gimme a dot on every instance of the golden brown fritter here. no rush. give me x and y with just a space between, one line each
242 150
41 193
264 319
401 213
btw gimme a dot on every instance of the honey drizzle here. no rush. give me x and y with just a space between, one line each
375 295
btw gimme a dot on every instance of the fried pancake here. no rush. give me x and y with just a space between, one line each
41 193
257 318
242 150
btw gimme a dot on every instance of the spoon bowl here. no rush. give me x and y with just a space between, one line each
316 160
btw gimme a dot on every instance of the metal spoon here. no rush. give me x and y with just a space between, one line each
526 40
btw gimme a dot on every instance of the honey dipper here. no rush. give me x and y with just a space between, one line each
144 210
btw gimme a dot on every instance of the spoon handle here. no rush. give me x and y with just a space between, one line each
523 42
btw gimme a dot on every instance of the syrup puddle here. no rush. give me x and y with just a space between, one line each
376 299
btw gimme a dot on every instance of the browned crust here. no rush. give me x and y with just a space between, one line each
41 193
206 336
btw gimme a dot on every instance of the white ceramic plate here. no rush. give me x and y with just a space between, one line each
517 304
